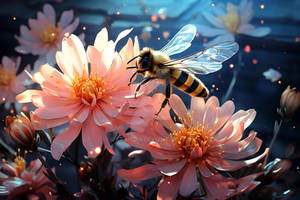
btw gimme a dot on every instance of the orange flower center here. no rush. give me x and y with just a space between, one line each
50 34
89 88
231 20
188 138
20 164
6 77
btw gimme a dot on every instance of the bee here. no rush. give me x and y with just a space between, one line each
157 64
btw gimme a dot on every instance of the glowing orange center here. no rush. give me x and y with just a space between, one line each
6 77
50 34
189 138
89 88
20 164
231 20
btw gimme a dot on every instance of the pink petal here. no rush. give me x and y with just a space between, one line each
169 187
81 115
169 168
259 32
196 152
49 13
158 152
179 108
101 39
40 124
26 96
65 65
189 181
122 35
71 28
209 117
108 109
242 149
197 110
64 140
208 31
225 132
214 100
66 18
94 57
213 20
100 118
142 173
223 115
74 52
92 137
231 165
204 170
136 46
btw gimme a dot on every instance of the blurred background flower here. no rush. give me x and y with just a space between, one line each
12 83
229 21
20 181
44 35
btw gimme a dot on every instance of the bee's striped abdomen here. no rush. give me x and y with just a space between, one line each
188 83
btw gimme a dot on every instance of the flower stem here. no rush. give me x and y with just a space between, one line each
7 147
275 134
234 77
76 154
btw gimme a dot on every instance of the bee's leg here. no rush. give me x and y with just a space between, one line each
147 79
130 80
168 94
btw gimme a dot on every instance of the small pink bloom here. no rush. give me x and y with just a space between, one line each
10 83
229 21
208 140
17 180
93 100
44 35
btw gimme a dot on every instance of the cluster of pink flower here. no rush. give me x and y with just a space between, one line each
90 93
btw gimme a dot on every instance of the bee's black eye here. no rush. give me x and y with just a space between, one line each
145 62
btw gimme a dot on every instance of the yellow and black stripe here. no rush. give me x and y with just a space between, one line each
188 83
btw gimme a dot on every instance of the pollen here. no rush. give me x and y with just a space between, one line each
231 20
190 137
50 35
6 77
89 88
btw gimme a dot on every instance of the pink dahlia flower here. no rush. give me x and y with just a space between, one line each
92 99
207 140
44 35
229 21
18 181
10 83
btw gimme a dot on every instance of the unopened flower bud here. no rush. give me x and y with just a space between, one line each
289 103
21 131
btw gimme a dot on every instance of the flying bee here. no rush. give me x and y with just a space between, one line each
157 64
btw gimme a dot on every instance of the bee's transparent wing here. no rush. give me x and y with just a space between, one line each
181 41
206 61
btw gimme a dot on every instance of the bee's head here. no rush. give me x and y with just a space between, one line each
145 59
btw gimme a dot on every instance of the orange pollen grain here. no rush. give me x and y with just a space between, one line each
89 88
6 77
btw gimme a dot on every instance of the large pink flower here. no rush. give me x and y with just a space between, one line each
207 140
44 36
18 181
92 99
10 83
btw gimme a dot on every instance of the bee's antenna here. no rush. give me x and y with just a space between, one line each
131 67
133 59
